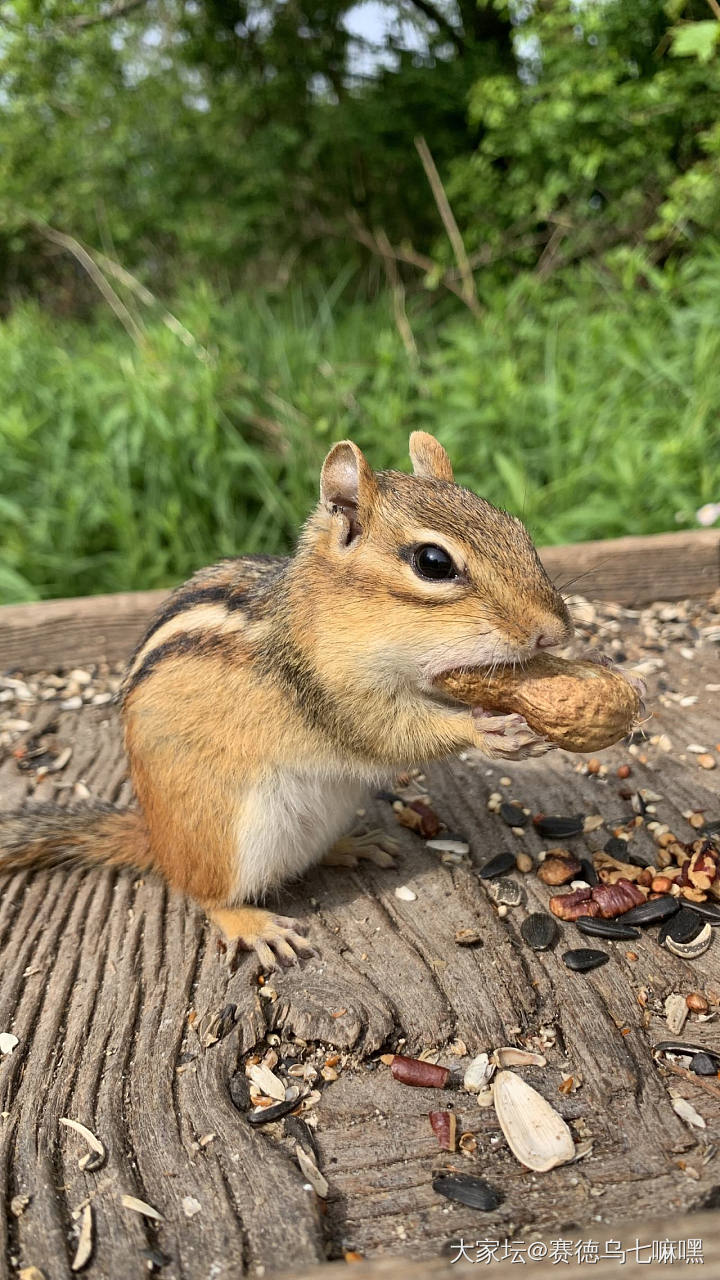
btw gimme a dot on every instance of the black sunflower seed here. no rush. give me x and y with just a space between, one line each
689 1050
275 1112
300 1132
616 847
497 866
683 926
589 874
652 912
703 1065
709 912
539 931
463 1187
514 815
606 928
239 1087
637 857
582 959
559 828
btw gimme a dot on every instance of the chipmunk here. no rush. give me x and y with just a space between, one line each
269 693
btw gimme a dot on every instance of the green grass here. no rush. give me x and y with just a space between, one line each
590 406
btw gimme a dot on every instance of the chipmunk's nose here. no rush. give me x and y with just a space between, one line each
551 631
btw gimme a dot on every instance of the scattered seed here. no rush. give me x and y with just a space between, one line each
582 959
524 862
687 1112
405 893
140 1206
474 1192
536 1134
696 947
689 1050
616 847
588 872
510 1056
708 911
703 1065
310 1171
83 1253
676 1012
267 1081
652 912
514 815
478 1074
18 1205
444 1126
420 1074
697 1002
506 891
468 938
302 1135
266 1115
539 931
706 761
559 828
239 1090
444 844
497 866
683 926
8 1042
614 929
191 1206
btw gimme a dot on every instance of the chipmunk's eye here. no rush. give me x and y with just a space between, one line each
434 563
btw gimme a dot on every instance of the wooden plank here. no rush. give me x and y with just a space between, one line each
101 971
632 571
638 570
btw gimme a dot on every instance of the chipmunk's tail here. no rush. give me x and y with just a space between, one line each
91 835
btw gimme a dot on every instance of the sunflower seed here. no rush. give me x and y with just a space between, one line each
265 1115
497 866
589 874
467 1189
598 928
84 1249
703 1065
697 946
687 1112
683 926
444 844
582 959
478 1074
707 910
140 1206
616 847
302 1135
534 1131
239 1090
539 931
506 891
559 828
510 1056
514 815
653 911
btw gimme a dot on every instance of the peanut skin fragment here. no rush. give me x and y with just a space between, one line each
579 706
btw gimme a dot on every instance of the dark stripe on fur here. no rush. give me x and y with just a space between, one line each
198 644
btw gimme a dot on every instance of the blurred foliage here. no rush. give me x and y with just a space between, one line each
590 406
249 140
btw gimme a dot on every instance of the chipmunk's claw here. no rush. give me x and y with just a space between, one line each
510 737
374 846
274 939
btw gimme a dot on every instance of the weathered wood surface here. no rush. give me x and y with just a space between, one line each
632 570
100 972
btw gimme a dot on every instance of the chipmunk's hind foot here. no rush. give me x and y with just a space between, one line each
371 846
275 939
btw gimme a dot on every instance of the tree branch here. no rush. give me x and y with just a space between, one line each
117 10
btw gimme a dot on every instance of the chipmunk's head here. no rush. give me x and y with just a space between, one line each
425 576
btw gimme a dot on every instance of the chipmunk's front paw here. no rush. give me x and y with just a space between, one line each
509 737
372 846
275 939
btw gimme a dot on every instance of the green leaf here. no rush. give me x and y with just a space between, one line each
696 40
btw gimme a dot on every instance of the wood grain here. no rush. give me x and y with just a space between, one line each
101 972
633 571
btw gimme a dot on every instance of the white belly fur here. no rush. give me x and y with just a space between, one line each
287 824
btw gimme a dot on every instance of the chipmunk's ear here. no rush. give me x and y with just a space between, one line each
348 488
429 459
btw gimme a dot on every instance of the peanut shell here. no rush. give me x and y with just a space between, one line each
580 706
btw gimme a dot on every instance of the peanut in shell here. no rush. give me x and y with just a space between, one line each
580 706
